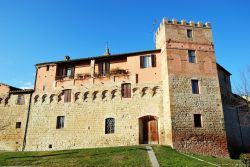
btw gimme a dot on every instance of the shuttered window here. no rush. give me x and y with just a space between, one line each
20 100
60 122
126 90
103 68
147 61
67 95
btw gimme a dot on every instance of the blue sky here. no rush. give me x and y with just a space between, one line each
34 31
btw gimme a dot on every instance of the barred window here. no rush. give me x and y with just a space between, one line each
20 99
109 125
60 122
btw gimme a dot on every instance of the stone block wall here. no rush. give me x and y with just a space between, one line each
85 116
11 138
211 137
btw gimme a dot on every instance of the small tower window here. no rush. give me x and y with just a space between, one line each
190 33
191 56
195 86
47 68
197 121
18 125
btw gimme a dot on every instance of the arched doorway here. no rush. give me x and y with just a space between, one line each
148 130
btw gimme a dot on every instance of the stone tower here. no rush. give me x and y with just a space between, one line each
191 93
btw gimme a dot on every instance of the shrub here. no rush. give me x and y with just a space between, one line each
245 158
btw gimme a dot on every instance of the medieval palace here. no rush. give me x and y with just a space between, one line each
170 96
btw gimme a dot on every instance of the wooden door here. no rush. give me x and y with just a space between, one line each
152 132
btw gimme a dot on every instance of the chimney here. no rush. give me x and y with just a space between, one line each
66 58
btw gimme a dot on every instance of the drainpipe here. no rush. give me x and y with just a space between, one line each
27 122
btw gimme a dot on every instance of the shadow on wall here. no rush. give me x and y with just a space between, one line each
237 124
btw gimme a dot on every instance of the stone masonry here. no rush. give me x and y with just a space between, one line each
160 107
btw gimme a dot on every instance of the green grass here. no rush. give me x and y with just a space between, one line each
134 156
115 156
166 156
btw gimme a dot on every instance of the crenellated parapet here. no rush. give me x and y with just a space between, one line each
174 21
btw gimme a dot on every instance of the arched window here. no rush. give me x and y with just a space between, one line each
109 125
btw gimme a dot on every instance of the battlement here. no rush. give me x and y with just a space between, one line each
174 21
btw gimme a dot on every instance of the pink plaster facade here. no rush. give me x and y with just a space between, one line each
47 78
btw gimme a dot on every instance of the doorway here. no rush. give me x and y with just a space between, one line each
148 130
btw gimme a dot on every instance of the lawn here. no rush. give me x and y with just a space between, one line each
116 156
134 156
166 156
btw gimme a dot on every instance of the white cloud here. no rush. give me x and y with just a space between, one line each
25 85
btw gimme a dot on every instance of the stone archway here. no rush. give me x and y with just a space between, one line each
148 130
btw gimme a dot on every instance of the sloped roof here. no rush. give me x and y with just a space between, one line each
11 87
103 57
223 69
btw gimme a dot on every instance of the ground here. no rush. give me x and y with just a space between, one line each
116 156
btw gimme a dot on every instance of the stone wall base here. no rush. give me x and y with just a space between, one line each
205 144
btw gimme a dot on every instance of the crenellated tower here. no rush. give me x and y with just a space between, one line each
191 87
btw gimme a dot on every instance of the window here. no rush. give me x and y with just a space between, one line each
191 56
126 90
197 120
69 72
190 33
67 95
18 125
148 61
50 145
47 68
20 100
195 86
64 71
60 122
109 125
104 68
